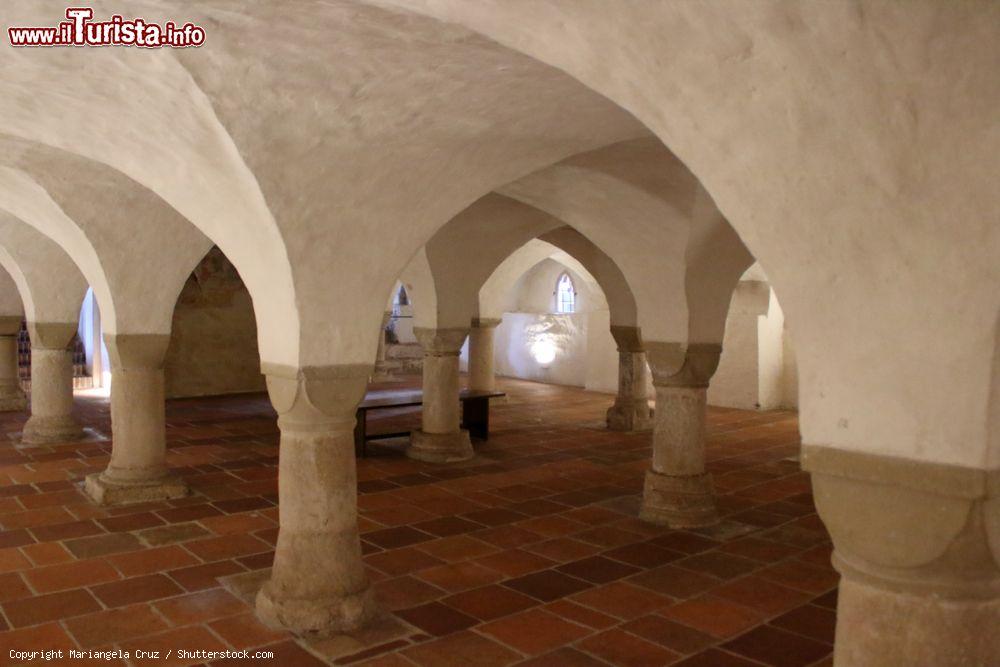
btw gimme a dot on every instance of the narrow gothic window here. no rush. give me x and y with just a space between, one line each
565 295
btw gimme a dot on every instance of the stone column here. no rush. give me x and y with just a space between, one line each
51 385
138 467
917 546
631 409
678 491
380 356
441 438
318 582
11 395
380 373
482 376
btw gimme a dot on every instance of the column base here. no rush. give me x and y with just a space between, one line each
440 447
630 417
104 491
318 616
13 402
679 501
49 430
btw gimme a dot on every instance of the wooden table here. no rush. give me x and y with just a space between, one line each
475 413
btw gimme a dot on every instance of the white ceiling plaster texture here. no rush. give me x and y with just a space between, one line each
353 121
140 112
10 296
50 285
854 147
144 248
464 252
390 125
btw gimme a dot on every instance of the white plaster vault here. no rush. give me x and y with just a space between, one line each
331 148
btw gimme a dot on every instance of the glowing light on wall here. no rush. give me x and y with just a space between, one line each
544 351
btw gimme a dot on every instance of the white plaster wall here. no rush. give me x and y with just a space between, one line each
519 331
536 290
857 212
771 356
757 368
736 381
586 353
790 377
602 354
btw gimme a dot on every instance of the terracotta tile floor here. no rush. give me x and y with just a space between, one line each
529 554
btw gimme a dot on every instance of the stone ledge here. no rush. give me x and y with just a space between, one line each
938 478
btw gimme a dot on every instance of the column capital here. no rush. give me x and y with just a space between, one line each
917 545
126 351
10 325
51 335
682 364
441 342
628 339
316 398
486 322
944 539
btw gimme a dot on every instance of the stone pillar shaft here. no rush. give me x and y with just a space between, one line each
917 545
11 395
441 438
138 468
679 439
318 583
631 409
678 490
482 373
51 385
380 355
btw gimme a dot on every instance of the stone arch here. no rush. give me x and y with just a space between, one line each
118 229
606 273
50 285
291 184
490 230
803 180
493 294
11 304
213 346
675 247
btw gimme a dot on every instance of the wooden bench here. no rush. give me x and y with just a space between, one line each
475 413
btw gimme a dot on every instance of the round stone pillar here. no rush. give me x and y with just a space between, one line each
11 395
51 418
678 491
631 409
138 469
386 317
917 545
441 438
318 582
482 374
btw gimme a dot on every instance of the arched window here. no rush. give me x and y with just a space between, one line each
565 295
402 298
